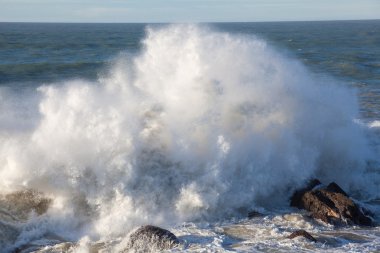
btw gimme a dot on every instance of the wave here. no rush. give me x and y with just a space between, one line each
200 125
374 124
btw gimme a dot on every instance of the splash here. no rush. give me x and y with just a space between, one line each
200 125
374 124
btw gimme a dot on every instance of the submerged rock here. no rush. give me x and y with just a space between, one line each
329 204
302 233
151 239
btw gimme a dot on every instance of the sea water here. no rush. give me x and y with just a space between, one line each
188 127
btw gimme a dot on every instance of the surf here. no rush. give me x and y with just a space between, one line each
200 125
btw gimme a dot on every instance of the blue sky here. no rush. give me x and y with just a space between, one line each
185 10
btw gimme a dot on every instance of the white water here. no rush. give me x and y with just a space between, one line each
375 124
200 126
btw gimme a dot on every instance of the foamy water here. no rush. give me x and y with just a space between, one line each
197 128
374 124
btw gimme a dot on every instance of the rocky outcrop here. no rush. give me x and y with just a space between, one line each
298 194
330 204
151 239
302 233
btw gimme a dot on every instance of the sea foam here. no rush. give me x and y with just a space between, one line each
200 125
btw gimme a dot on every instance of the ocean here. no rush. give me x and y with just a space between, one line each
107 127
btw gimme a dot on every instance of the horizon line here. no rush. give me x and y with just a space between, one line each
186 22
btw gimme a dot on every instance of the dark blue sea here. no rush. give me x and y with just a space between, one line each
106 127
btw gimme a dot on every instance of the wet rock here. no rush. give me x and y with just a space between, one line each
333 187
302 233
330 204
297 195
151 239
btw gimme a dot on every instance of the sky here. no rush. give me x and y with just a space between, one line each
121 11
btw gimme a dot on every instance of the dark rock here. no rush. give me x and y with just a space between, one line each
333 187
348 210
320 207
254 214
330 204
302 233
151 239
297 195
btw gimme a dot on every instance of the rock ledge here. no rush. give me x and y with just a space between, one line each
330 204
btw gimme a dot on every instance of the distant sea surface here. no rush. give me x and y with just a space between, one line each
188 127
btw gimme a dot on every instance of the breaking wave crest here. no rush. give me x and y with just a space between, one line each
199 125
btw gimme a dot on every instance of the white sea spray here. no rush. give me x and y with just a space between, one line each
200 125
